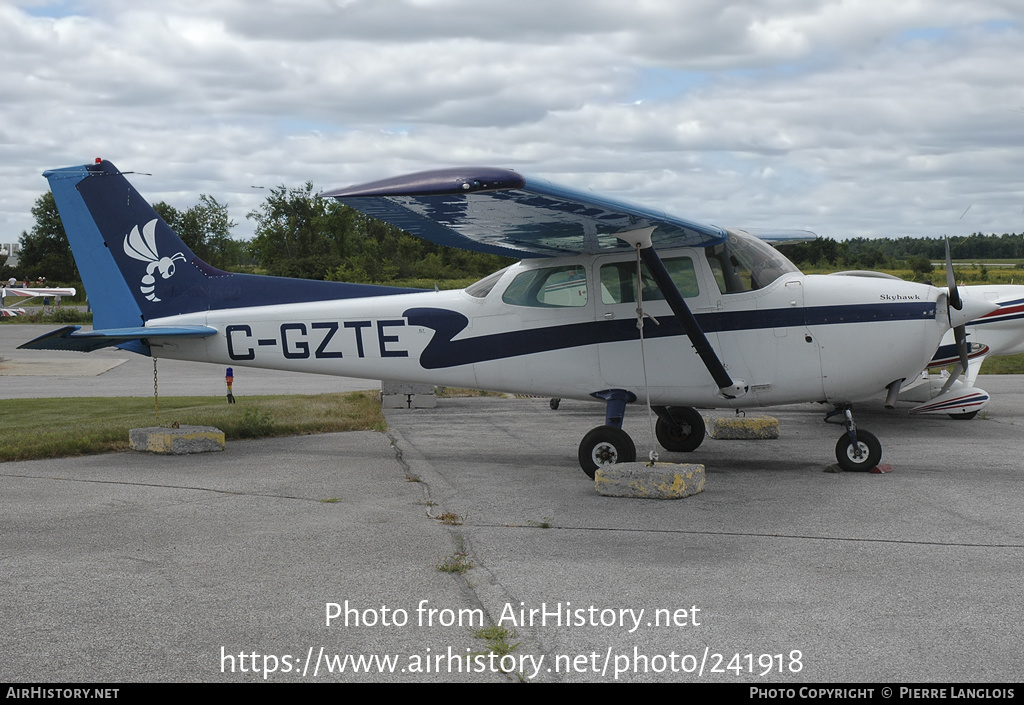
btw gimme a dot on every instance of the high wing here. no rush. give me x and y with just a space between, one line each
499 211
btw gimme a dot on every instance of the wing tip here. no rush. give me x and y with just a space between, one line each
435 182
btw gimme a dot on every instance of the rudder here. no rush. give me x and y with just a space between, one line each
135 268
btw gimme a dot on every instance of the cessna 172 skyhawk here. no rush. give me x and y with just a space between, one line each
729 322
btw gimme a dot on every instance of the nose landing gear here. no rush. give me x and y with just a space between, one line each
856 451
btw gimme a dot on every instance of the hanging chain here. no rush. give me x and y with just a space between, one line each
156 396
653 456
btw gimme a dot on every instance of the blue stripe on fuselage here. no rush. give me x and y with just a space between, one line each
443 351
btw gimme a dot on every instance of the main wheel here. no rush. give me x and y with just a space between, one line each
605 445
870 452
689 434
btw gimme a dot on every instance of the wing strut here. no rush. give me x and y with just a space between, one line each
641 239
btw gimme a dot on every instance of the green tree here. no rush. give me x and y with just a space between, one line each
45 251
206 229
298 234
301 235
6 271
920 265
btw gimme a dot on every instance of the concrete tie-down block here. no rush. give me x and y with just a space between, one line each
743 428
176 441
640 479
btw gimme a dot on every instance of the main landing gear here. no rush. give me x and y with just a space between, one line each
855 450
679 429
605 445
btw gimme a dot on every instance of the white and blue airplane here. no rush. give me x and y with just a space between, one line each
728 321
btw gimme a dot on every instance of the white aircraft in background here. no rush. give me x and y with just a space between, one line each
727 321
999 332
29 293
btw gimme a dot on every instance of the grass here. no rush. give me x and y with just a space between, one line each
499 639
455 392
456 563
428 283
54 428
1005 365
499 643
1002 365
56 316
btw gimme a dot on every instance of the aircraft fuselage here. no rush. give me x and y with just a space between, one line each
565 327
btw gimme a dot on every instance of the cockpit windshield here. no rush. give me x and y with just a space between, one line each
744 263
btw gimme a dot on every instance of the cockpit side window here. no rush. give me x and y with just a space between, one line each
618 281
744 263
552 287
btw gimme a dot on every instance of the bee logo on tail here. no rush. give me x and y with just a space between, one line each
142 246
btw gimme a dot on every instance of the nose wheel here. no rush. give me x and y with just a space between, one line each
856 450
862 456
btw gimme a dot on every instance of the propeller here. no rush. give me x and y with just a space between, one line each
955 302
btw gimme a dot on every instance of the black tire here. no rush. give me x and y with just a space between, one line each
605 445
687 437
963 417
871 452
555 401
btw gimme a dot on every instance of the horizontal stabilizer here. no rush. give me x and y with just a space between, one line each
73 338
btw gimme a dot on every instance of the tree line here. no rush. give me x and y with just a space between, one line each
300 235
297 234
890 253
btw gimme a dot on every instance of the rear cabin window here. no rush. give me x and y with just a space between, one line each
618 281
480 289
554 287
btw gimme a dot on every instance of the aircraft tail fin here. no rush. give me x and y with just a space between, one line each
135 268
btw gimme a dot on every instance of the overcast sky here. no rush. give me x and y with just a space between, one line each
849 118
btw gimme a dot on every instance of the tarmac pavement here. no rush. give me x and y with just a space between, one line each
137 567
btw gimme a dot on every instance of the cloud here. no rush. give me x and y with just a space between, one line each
864 118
